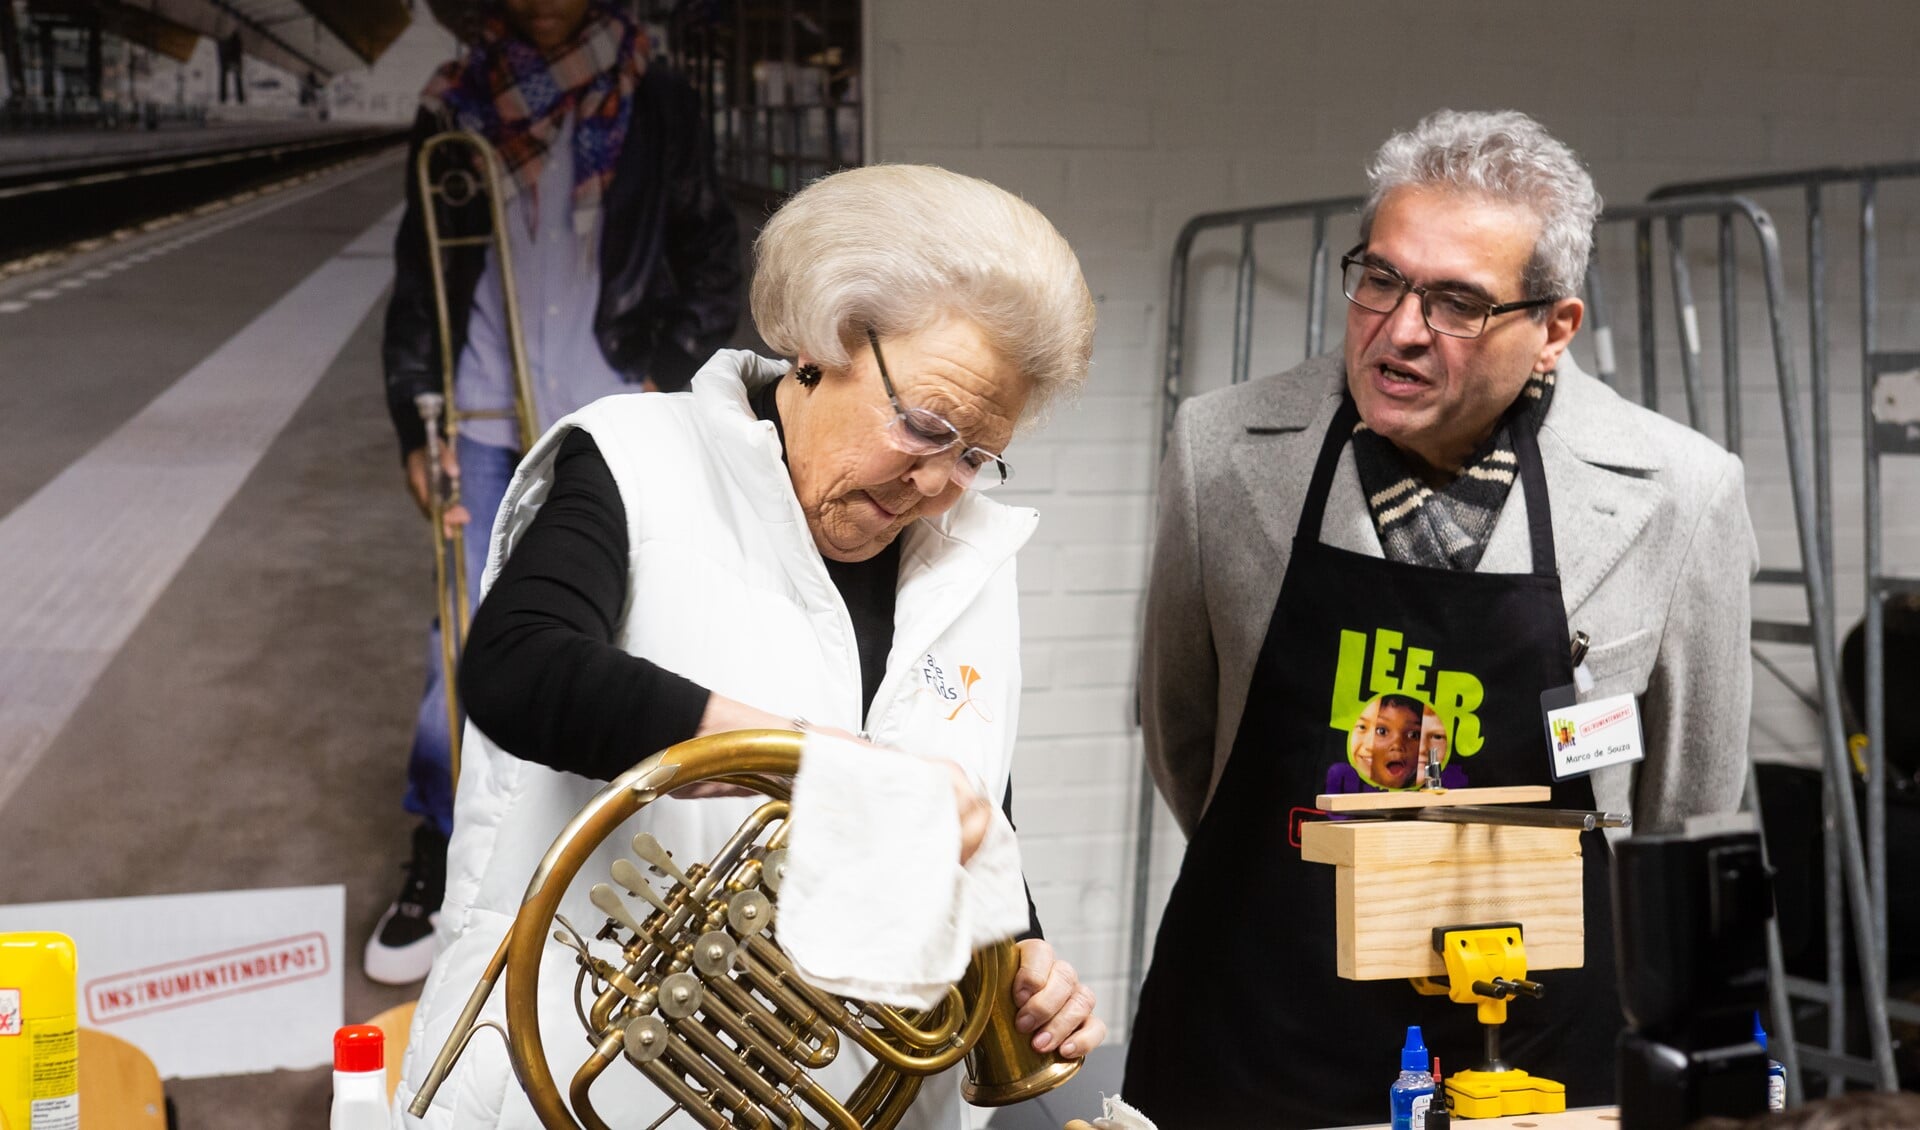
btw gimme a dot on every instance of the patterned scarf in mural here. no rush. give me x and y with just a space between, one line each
506 90
1445 528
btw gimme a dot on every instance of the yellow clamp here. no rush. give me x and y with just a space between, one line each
1486 964
1503 1094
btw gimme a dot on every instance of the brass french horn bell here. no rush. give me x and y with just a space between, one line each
699 996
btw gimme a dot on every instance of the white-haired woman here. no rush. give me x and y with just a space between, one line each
795 539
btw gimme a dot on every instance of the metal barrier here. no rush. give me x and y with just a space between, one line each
783 148
1173 390
782 111
71 113
1247 220
1884 432
1812 534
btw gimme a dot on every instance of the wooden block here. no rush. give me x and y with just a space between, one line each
119 1087
1420 846
1395 881
1376 802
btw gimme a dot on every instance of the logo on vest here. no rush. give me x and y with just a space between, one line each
1403 717
952 692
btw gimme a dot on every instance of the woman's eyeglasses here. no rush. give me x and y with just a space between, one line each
921 432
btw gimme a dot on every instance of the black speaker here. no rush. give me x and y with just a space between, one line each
1689 918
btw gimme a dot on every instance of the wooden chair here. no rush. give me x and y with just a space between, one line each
394 1024
119 1086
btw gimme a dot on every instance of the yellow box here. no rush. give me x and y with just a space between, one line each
39 1032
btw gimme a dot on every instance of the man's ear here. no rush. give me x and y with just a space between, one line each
1562 323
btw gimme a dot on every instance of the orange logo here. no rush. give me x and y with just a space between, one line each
935 682
968 677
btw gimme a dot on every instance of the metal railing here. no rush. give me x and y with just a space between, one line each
1173 390
34 112
1246 272
780 149
1812 523
1882 433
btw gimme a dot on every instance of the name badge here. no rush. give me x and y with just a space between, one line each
1584 736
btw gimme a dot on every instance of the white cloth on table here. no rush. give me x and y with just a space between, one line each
1120 1116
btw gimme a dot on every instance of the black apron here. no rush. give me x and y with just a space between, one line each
1243 1021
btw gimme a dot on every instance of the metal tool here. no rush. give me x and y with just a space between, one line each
1518 816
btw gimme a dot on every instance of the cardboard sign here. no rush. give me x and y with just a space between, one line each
208 984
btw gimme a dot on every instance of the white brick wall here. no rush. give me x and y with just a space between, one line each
1123 118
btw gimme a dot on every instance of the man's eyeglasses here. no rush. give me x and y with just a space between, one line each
1455 313
921 432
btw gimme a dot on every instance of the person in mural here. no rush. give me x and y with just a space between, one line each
1433 752
1433 512
626 265
1392 743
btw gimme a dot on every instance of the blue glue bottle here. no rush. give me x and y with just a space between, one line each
1412 1093
1776 1071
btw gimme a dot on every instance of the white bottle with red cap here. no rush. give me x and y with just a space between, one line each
359 1079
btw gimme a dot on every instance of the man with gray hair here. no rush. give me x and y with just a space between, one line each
1449 512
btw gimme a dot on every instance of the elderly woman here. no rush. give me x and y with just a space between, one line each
788 544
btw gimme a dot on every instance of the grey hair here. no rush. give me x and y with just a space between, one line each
1509 157
899 247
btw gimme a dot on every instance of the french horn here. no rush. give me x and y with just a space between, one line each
702 1000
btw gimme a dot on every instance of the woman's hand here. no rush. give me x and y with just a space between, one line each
723 714
976 815
1053 1004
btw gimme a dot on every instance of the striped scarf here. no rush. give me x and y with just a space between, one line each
505 90
1446 528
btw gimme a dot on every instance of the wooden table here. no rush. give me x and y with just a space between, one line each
1586 1118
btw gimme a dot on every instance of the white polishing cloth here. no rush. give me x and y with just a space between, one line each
874 903
1120 1116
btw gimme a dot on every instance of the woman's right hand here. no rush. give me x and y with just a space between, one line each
722 715
975 812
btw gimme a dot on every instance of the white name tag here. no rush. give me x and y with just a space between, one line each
1586 736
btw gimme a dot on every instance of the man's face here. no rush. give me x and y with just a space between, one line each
1434 396
547 24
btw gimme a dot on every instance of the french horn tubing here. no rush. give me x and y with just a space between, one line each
701 999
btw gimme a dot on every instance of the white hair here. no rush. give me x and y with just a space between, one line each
899 247
1507 156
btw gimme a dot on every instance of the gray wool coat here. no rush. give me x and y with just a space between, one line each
1655 550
